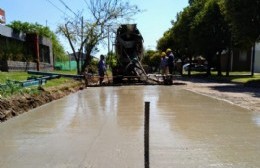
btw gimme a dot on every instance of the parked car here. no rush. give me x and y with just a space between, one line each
195 67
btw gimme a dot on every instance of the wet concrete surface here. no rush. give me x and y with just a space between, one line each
103 128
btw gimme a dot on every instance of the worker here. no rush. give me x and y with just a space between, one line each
164 64
101 69
170 56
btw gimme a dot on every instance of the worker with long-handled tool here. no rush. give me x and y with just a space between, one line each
101 69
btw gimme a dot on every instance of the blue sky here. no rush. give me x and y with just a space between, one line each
152 23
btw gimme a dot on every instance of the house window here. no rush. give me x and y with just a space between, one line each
242 56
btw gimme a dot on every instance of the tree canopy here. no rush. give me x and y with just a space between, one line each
244 19
207 27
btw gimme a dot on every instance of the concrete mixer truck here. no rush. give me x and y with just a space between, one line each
129 52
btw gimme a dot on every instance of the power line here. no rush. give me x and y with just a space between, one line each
85 2
56 7
67 7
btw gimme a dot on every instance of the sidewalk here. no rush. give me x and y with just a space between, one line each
246 97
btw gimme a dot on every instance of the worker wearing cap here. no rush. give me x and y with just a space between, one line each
101 69
170 56
164 64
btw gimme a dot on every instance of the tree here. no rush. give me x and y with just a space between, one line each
200 29
166 41
89 33
191 1
210 33
152 59
244 18
181 33
178 37
111 59
155 61
73 31
26 27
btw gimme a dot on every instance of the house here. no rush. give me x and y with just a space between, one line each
20 51
2 16
242 60
257 58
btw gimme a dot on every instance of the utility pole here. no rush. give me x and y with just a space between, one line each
81 52
108 39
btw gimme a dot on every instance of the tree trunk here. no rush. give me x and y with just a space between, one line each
78 71
219 64
209 64
228 62
86 63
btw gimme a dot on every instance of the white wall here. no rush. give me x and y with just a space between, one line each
257 58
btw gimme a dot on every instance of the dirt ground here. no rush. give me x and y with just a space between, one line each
19 104
238 94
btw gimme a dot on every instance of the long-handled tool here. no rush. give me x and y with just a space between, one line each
107 77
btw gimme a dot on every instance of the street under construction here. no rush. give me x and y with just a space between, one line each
104 127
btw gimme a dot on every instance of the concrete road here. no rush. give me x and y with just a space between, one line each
103 128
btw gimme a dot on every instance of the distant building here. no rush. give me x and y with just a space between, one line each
2 16
21 51
241 60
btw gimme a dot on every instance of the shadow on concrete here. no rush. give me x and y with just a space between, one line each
252 87
238 88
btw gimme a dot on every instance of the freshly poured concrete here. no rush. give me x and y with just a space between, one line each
103 128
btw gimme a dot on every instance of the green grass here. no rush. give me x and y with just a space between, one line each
245 79
57 82
7 78
238 77
72 72
19 76
12 88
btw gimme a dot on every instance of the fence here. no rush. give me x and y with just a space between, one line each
23 66
66 65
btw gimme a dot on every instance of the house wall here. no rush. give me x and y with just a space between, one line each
257 58
46 51
224 60
241 60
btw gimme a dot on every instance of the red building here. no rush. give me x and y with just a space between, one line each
2 16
